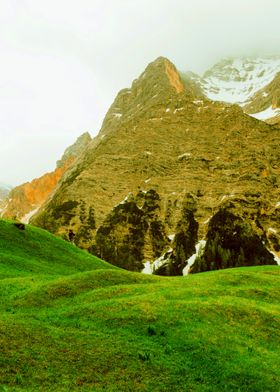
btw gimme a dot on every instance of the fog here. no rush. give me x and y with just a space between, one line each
63 62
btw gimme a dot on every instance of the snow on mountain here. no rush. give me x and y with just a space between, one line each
236 80
29 215
266 114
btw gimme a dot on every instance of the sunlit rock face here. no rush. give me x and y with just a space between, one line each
165 161
25 200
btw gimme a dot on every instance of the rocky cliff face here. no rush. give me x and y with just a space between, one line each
25 200
166 161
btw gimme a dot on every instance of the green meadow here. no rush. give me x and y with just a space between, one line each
71 322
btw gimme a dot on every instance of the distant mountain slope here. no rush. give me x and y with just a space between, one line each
165 162
265 104
252 83
25 200
4 190
237 80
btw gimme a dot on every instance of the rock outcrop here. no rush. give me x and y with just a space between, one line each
25 200
163 164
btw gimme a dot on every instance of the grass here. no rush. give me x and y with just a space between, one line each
70 322
35 251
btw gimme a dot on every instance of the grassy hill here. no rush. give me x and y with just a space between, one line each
35 251
70 322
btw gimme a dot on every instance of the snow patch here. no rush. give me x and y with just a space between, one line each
178 110
265 114
277 204
117 115
207 220
29 215
276 258
171 237
271 230
151 266
185 155
198 249
125 199
148 180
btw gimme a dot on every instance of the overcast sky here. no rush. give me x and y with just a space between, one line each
63 61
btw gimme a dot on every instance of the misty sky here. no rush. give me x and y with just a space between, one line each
63 62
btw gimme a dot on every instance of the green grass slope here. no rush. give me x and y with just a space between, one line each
104 329
34 250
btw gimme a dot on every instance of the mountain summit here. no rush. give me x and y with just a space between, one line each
169 173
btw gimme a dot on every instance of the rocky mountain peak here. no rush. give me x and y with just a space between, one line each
75 149
158 84
165 68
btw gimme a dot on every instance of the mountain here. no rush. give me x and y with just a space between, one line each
252 83
4 191
169 169
24 200
236 80
265 103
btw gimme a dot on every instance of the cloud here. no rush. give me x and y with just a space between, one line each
63 62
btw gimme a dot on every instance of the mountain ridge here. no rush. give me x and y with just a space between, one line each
24 200
242 81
